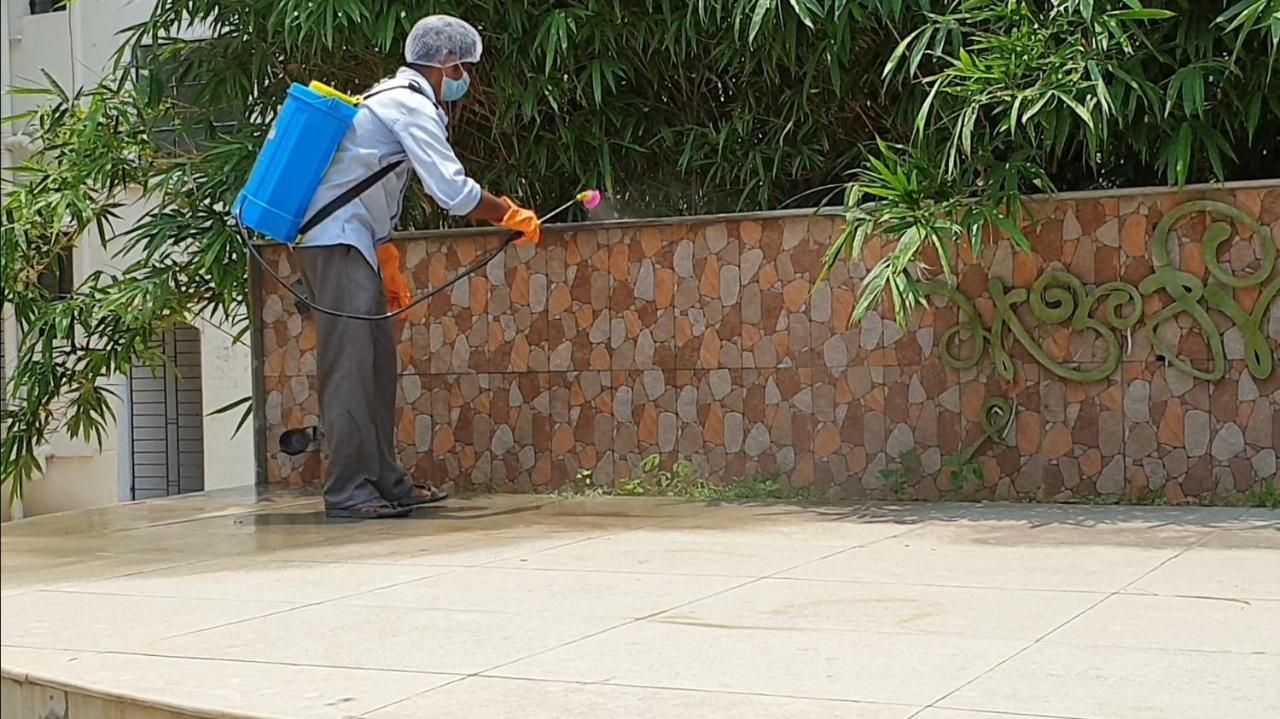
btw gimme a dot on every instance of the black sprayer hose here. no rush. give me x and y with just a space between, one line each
253 251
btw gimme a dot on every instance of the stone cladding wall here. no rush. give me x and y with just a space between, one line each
705 339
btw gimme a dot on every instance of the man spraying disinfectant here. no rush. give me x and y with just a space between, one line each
348 264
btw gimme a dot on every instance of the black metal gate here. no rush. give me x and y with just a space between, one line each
167 419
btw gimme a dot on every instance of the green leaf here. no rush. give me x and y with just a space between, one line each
1142 14
1078 108
230 406
1011 229
1180 164
898 51
803 11
763 7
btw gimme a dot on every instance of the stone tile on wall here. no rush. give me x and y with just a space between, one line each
582 426
522 420
877 428
454 444
1146 398
1242 446
642 297
720 425
836 430
578 313
1184 432
448 333
778 431
414 423
708 289
836 342
1091 240
517 311
645 409
1084 435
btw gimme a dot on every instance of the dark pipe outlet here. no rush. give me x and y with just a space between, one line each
296 441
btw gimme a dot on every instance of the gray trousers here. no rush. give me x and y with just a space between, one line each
356 364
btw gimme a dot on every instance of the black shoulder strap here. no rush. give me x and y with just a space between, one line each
366 182
348 195
409 85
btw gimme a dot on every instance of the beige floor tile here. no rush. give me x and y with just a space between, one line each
253 688
1206 572
881 668
221 538
1257 536
1111 683
631 553
850 606
390 638
250 579
539 593
29 571
905 560
486 698
1213 625
74 620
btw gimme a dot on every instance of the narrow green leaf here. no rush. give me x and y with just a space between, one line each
1142 14
898 52
763 7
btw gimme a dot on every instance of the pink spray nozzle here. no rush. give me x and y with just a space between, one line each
590 199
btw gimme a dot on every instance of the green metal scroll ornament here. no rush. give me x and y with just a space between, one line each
1187 291
1058 297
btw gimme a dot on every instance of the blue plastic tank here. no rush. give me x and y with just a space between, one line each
293 161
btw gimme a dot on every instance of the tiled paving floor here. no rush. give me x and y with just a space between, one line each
525 607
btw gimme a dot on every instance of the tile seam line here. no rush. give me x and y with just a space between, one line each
1201 540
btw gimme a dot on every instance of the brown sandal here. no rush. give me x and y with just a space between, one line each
422 494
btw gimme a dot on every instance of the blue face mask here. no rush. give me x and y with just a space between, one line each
452 90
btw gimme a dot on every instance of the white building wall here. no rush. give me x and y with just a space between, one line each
76 47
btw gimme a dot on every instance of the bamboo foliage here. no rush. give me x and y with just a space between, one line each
931 116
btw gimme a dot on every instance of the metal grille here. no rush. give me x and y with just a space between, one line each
167 420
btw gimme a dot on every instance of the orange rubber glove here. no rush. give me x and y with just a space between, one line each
393 281
522 221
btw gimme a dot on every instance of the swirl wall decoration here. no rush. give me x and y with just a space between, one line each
1058 297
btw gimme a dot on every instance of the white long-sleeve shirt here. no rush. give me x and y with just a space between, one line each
392 125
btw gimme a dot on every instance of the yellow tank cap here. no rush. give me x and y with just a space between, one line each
324 89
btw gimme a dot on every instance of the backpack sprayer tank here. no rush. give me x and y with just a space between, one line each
293 161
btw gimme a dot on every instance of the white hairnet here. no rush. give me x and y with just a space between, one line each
438 40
